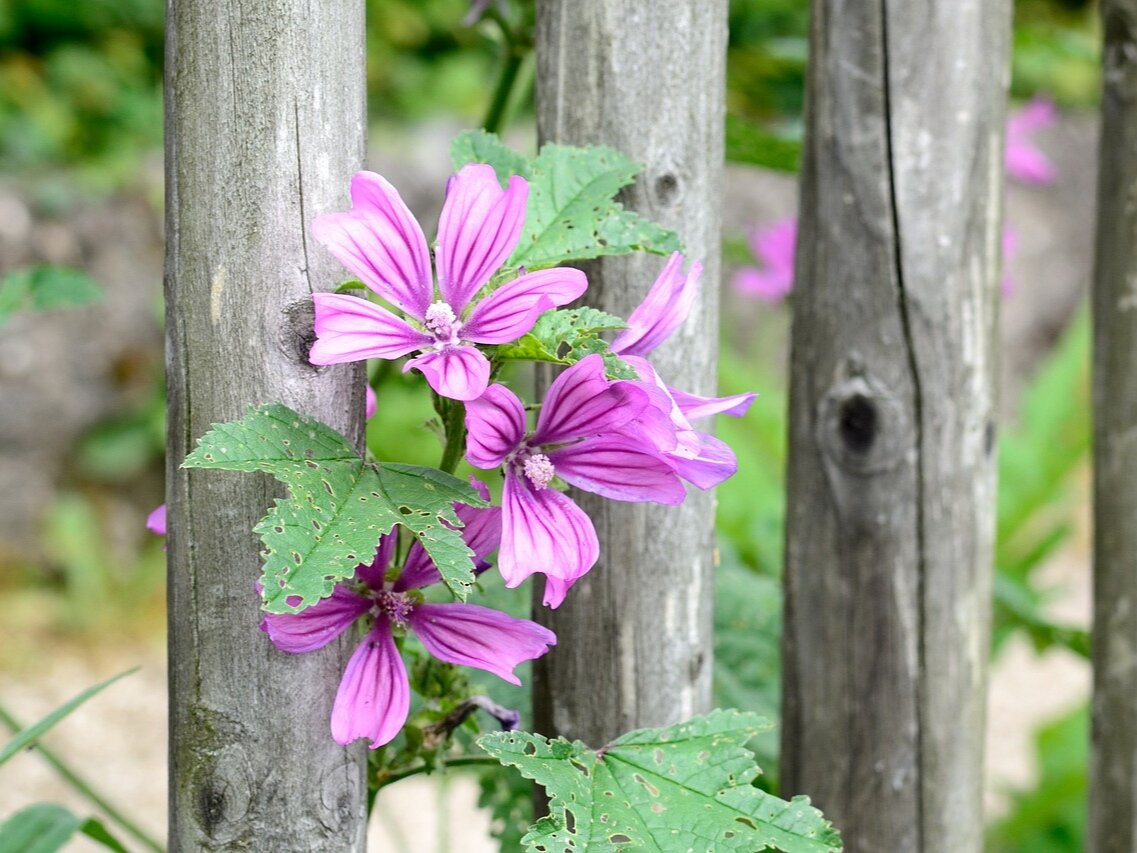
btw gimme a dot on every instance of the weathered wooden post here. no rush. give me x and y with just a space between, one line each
265 121
1113 778
648 79
892 421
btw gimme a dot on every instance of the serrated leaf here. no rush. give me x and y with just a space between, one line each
567 335
43 287
479 146
683 787
572 215
337 506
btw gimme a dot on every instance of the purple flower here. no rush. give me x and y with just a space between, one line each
577 439
1024 161
371 405
380 242
156 520
373 699
773 245
697 457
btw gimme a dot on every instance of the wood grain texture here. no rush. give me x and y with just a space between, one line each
634 644
1113 777
265 122
891 466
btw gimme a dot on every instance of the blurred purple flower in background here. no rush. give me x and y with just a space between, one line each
1024 161
773 245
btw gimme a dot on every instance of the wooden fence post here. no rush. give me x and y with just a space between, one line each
648 79
265 123
1113 777
891 472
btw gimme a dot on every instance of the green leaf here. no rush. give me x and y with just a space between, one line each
43 287
748 143
337 506
683 787
37 730
572 215
478 146
47 827
567 335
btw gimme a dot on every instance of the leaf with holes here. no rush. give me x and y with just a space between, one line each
479 146
567 335
572 214
683 787
337 506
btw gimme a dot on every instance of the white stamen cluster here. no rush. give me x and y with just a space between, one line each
441 322
539 469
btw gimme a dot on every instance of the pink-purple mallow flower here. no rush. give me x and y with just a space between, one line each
156 520
697 457
1023 159
379 241
373 699
773 245
578 439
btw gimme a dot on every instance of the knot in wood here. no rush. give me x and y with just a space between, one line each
298 332
666 189
862 426
223 795
342 801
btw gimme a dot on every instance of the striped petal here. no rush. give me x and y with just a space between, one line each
583 402
478 229
315 626
663 309
380 242
511 310
374 696
469 635
460 373
352 329
495 426
615 468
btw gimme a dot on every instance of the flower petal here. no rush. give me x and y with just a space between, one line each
614 467
371 405
352 329
582 402
460 373
156 520
511 310
495 426
716 462
478 229
374 573
663 309
380 241
374 696
469 635
543 531
695 407
315 626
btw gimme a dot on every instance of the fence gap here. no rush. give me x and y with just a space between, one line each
891 471
649 79
265 123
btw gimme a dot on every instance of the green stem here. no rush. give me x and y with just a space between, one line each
463 761
83 787
454 422
495 116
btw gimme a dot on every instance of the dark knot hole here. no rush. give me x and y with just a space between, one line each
859 424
